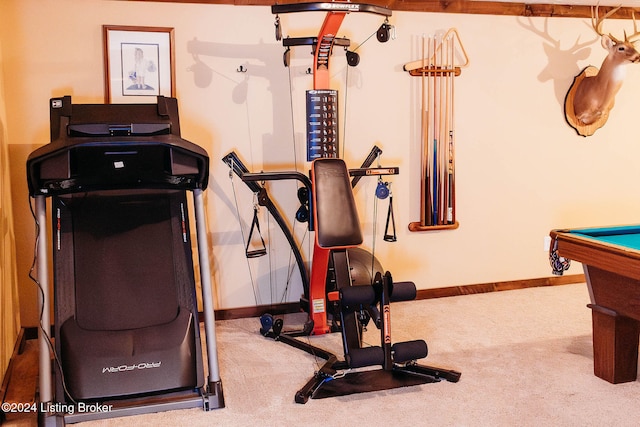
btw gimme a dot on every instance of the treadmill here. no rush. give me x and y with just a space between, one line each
126 334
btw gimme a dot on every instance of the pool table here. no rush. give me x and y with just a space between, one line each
610 257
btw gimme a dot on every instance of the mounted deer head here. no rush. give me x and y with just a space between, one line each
593 92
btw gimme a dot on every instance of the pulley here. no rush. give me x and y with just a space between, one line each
382 189
302 214
353 58
384 32
286 57
278 28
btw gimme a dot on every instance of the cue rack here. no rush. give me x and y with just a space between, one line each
437 70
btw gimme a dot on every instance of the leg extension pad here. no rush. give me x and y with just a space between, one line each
367 356
409 350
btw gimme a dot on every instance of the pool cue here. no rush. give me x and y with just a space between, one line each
424 190
441 130
434 132
434 158
451 216
445 156
445 133
422 124
428 195
443 136
448 144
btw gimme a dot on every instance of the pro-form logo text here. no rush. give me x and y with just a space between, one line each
125 368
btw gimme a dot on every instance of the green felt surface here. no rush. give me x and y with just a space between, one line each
627 236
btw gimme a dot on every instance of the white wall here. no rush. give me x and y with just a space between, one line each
520 169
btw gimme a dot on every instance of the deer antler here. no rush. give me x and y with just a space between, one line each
636 33
596 21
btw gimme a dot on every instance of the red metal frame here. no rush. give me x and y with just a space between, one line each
326 36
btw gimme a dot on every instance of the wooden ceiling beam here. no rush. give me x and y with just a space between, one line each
451 6
503 8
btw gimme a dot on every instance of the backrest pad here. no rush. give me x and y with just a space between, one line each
336 217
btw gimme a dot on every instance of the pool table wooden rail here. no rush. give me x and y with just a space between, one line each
612 273
610 257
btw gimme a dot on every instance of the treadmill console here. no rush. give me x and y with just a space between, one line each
115 146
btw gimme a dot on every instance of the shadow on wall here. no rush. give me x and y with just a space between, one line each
258 61
562 64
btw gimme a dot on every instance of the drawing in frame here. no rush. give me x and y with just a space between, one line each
138 64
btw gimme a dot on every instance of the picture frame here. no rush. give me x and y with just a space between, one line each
139 63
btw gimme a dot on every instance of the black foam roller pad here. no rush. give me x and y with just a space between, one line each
409 350
403 291
368 356
351 295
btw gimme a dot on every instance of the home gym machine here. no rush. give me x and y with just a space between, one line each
126 329
334 299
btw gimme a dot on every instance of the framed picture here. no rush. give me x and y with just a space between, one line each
138 64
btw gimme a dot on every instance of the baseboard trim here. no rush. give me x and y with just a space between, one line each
481 288
257 311
449 291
